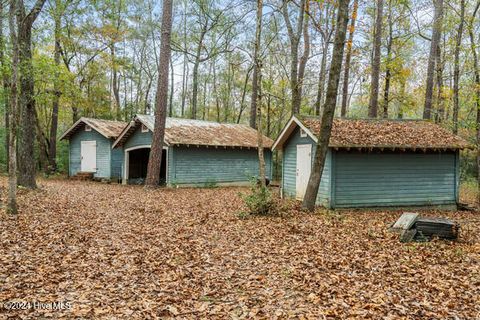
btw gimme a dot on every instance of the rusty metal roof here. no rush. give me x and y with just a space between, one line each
198 132
379 133
108 128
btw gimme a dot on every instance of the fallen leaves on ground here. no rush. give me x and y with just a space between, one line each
118 252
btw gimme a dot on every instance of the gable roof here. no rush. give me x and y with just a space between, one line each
108 128
197 132
377 133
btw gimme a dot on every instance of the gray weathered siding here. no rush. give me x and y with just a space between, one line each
200 165
394 179
103 152
289 168
117 163
138 138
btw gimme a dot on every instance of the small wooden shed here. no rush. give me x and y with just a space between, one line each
373 163
90 149
195 153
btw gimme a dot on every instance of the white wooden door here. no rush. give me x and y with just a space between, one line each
304 166
88 154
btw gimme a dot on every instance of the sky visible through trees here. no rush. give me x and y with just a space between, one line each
110 50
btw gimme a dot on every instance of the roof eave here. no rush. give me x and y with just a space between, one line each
288 129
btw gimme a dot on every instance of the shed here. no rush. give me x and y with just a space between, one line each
195 153
90 149
373 163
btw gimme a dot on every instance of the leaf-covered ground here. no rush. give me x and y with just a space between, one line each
118 252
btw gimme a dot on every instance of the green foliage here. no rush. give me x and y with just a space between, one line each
259 201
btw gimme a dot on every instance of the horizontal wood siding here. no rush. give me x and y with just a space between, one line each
138 138
394 179
117 163
290 168
200 165
103 152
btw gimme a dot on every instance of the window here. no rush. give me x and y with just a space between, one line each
303 134
88 128
144 128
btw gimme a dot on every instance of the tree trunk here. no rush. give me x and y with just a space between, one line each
26 139
244 93
321 80
115 83
476 67
172 85
440 96
5 84
328 108
257 93
305 56
12 207
348 58
436 33
52 153
196 65
161 100
294 37
456 70
388 75
373 104
253 102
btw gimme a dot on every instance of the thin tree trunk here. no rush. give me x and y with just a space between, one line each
172 84
373 104
321 81
305 56
12 207
5 83
257 93
115 84
294 37
436 34
456 72
196 65
440 96
348 58
244 93
476 67
328 108
388 73
161 100
52 153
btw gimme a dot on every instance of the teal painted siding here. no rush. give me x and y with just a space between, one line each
117 163
138 138
394 179
103 152
199 165
290 167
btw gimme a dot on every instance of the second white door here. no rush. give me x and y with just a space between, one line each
304 167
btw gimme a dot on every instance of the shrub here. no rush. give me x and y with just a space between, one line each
259 201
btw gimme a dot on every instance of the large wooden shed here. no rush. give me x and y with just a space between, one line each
90 149
373 163
195 153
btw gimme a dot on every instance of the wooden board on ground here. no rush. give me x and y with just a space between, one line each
405 221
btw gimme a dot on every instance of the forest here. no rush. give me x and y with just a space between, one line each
403 59
366 111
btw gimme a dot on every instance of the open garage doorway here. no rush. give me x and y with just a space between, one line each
136 164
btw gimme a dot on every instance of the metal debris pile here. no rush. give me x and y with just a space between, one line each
412 227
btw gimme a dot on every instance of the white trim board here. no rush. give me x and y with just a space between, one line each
288 129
